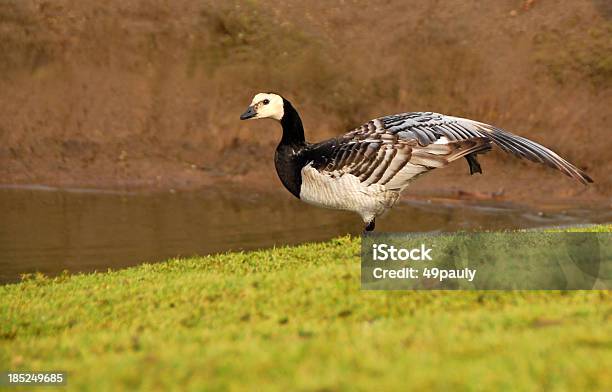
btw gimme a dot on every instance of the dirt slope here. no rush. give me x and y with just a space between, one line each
147 93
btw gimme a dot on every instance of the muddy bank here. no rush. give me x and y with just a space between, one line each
146 94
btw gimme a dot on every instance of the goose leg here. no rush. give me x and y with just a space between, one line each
370 226
474 165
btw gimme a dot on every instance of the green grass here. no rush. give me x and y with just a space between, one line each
295 318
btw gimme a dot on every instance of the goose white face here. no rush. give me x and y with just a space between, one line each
265 105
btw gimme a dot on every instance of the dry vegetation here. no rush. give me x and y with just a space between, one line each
147 93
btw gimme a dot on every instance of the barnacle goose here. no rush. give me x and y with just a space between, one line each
366 169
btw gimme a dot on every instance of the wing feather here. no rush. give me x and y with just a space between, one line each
394 150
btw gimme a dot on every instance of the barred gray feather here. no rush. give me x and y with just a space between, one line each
381 149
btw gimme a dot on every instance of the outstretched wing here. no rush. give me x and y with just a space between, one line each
394 150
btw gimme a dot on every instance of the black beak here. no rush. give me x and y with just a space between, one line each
250 113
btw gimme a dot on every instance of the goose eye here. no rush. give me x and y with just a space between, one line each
266 101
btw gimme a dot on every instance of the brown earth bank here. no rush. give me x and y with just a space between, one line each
147 94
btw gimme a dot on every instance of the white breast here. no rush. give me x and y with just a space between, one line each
344 191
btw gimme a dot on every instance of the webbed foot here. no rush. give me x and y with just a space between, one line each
474 165
370 226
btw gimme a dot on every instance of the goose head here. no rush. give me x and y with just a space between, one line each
265 105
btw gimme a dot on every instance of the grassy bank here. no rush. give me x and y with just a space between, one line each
294 318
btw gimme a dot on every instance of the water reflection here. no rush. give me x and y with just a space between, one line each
51 231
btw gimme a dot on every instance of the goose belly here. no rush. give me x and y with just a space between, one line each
345 192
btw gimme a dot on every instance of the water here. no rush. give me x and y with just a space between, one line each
50 231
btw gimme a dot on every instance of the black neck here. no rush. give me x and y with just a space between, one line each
293 130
